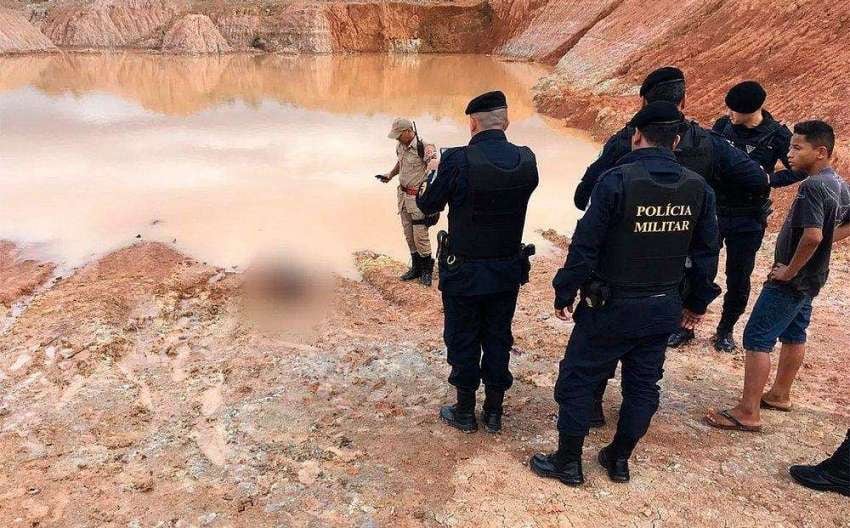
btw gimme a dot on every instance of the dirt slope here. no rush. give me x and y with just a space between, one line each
18 35
136 392
797 50
194 34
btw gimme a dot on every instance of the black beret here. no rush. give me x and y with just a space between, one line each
665 75
487 103
746 97
657 112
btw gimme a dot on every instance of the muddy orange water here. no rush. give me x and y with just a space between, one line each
234 156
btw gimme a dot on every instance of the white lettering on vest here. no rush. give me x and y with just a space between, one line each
651 225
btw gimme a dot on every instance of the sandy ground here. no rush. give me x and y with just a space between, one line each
136 392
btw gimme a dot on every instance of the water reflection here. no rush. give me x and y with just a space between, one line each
235 155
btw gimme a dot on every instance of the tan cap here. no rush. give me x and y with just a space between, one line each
400 125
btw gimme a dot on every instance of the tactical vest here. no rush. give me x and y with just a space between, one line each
645 251
489 222
759 148
695 150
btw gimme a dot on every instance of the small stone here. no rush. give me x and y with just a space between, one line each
22 360
309 472
207 519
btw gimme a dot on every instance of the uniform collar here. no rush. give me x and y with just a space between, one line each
412 144
488 135
647 153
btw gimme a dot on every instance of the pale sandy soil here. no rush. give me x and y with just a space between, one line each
135 392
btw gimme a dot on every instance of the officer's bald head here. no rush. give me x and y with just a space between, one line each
492 120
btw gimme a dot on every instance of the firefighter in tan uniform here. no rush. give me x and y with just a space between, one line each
415 159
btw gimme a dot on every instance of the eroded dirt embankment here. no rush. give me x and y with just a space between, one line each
135 391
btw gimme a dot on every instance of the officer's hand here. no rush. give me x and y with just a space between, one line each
430 152
383 178
690 320
562 313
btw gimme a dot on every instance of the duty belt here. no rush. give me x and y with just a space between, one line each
409 191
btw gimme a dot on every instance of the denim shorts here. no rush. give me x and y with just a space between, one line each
780 313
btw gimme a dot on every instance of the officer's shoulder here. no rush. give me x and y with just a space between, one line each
624 133
611 177
720 123
783 133
452 155
524 148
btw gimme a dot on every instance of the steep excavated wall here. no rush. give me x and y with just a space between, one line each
798 50
18 35
194 34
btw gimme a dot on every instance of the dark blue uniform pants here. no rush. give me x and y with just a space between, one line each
589 361
476 323
741 249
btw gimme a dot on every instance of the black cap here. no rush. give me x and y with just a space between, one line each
746 97
487 103
665 75
657 112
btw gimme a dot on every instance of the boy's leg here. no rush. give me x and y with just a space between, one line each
775 310
756 373
791 358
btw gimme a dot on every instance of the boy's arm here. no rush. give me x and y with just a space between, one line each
841 232
809 242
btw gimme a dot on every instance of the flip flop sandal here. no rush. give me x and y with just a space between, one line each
772 407
736 424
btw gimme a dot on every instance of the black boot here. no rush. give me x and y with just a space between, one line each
597 415
723 341
680 337
462 414
491 414
616 465
427 270
833 474
415 268
564 464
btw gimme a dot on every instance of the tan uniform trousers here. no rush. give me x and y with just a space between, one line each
415 234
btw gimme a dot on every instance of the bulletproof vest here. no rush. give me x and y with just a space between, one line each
645 250
696 152
760 148
489 222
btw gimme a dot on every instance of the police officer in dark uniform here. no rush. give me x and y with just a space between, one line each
482 261
734 177
626 263
753 130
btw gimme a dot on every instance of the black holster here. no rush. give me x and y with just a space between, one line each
526 252
595 293
444 252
